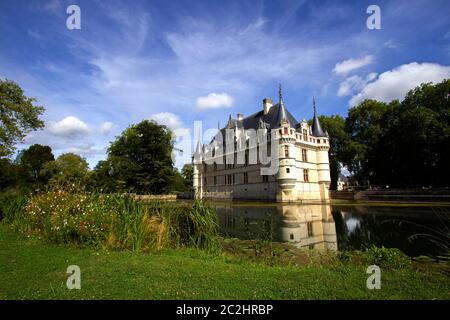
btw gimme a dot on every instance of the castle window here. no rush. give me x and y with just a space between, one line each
281 132
291 236
305 134
286 151
215 180
245 177
246 157
306 175
285 130
310 229
205 182
304 155
288 170
205 166
265 178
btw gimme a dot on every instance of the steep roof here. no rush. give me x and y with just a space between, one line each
316 127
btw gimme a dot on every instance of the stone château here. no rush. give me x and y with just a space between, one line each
268 155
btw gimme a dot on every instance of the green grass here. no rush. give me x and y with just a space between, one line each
33 270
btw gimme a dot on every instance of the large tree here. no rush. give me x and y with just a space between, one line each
32 161
18 116
140 159
68 167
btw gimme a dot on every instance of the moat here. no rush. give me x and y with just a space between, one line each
416 230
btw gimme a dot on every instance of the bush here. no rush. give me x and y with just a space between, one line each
115 221
11 204
390 258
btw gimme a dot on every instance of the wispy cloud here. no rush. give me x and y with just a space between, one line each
351 64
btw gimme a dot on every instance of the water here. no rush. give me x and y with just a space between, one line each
416 230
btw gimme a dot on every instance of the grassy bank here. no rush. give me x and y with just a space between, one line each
34 270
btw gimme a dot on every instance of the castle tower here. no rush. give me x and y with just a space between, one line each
286 176
323 165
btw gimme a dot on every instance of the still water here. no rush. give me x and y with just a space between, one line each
416 230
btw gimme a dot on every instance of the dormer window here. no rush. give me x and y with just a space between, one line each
285 130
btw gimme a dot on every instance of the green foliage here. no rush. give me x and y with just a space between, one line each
70 214
18 116
187 172
68 167
390 258
139 160
11 203
32 161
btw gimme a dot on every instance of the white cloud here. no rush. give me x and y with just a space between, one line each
352 64
68 127
107 127
395 83
354 83
215 101
172 121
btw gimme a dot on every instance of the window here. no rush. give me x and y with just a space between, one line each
285 130
304 155
205 182
306 175
310 229
229 179
286 151
215 166
246 157
288 170
245 177
291 236
305 134
281 132
215 180
318 140
265 178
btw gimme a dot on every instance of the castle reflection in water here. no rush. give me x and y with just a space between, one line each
311 226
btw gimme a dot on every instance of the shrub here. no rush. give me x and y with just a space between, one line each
391 258
117 221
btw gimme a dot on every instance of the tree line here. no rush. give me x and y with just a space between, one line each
400 144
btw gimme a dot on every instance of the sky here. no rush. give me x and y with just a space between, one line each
178 62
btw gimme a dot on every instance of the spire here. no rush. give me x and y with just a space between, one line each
218 125
316 127
198 149
314 106
280 95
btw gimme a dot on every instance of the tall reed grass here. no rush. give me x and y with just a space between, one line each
115 221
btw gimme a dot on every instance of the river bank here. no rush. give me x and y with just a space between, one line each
33 270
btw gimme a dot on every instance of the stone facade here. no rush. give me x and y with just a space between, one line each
266 156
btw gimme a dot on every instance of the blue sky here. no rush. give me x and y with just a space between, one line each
182 61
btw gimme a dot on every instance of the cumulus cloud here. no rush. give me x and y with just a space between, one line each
351 64
171 120
354 83
107 127
215 101
68 127
395 83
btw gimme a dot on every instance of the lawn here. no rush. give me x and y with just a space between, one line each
34 270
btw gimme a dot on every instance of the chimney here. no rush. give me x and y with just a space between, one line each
240 116
267 103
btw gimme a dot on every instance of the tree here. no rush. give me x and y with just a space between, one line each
18 116
335 127
140 159
32 161
364 126
68 167
187 172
